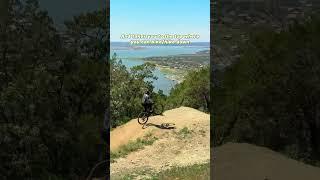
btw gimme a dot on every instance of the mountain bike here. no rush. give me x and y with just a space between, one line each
144 116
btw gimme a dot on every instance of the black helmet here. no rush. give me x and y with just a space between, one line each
148 92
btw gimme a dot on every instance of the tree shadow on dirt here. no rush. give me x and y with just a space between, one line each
160 126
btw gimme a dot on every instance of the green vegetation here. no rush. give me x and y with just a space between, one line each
192 92
128 86
227 36
166 70
183 61
173 74
271 96
124 150
53 94
197 171
176 67
184 133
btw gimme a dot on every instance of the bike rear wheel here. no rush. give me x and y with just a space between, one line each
143 118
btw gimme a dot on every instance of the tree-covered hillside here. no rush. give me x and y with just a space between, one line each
271 96
53 89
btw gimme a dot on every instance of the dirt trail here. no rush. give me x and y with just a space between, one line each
181 117
231 161
170 149
245 161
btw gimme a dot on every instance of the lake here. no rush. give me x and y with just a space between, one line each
129 56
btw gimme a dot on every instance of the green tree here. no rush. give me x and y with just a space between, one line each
127 88
193 91
53 96
270 97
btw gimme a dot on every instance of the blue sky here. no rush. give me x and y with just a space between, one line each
160 17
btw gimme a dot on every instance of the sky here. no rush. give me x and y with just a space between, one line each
160 17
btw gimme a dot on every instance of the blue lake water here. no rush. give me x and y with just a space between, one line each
128 55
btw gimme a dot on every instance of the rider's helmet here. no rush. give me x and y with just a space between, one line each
148 92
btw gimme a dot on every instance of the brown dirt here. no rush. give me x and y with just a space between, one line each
245 162
231 161
170 149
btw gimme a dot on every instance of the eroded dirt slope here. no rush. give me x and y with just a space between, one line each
174 147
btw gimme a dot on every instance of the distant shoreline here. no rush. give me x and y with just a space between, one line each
127 45
170 73
172 70
175 67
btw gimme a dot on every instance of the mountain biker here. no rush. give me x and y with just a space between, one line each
147 101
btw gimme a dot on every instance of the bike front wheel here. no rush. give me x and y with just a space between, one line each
143 118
